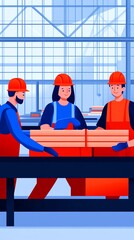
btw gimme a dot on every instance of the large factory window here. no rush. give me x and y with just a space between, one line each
86 39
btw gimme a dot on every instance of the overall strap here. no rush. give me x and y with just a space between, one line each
72 110
108 117
110 111
55 112
3 108
126 110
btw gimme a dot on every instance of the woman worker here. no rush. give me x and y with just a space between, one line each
60 114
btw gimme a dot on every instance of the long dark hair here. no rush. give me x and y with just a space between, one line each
55 96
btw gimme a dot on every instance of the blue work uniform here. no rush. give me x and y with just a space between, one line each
10 126
55 111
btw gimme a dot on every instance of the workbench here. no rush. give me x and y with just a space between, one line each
86 143
63 167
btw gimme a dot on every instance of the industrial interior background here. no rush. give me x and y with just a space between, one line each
87 40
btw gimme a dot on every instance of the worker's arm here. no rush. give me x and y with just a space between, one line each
47 117
123 145
101 124
80 118
15 129
131 115
27 132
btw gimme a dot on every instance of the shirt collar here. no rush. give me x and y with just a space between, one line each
12 106
63 105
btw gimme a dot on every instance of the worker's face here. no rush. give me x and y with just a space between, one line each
20 97
117 90
64 92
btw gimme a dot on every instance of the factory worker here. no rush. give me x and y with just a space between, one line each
117 115
11 135
60 114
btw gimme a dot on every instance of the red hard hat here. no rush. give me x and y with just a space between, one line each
63 80
117 78
17 85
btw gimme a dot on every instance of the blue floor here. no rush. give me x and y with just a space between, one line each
66 233
67 226
71 219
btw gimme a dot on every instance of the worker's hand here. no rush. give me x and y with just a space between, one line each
63 123
46 127
99 128
51 151
120 146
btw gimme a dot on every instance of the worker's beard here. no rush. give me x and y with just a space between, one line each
18 100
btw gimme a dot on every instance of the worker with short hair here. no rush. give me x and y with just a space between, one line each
11 135
117 114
